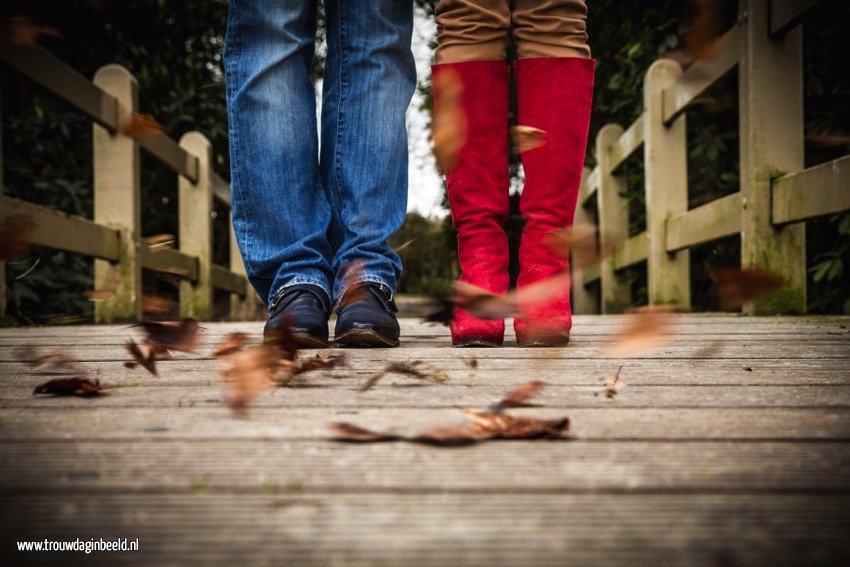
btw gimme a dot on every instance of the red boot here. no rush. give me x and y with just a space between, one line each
478 192
555 95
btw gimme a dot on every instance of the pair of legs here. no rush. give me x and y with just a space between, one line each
302 213
554 75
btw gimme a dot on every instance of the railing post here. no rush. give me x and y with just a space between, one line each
195 228
613 219
771 116
117 201
583 300
242 308
665 163
2 214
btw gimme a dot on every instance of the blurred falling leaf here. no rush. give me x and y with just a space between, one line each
645 328
143 354
443 311
251 372
449 124
318 363
232 343
159 242
75 386
416 369
111 283
355 288
612 383
157 304
828 141
353 433
528 138
24 31
519 398
15 235
140 127
484 304
700 41
580 243
736 287
181 335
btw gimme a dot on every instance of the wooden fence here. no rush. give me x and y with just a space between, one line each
776 194
113 237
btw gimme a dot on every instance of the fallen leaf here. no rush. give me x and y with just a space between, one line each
645 328
528 138
24 31
519 397
352 433
612 383
471 363
500 425
251 372
75 386
449 121
140 126
736 287
15 235
232 343
416 369
319 363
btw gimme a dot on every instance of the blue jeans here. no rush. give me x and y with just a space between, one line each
303 215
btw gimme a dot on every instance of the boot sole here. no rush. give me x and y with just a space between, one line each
364 338
304 340
543 342
476 343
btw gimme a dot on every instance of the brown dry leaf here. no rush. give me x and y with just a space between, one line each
355 288
485 304
15 235
612 382
157 304
528 138
352 433
471 363
24 31
449 124
519 397
580 242
645 328
452 436
319 363
416 369
181 335
140 126
75 386
251 372
543 292
499 425
736 287
143 354
160 242
706 27
231 343
111 283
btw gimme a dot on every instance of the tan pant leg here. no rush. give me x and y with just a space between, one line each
472 30
550 28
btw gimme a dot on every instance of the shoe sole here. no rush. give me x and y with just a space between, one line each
476 343
364 338
304 340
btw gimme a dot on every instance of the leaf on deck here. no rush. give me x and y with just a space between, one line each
74 386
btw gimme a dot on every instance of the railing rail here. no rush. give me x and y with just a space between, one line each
113 238
776 194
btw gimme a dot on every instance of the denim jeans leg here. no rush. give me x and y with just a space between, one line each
281 213
369 79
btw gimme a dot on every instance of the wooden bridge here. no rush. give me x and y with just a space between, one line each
728 444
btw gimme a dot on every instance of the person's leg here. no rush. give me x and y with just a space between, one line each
554 93
472 38
369 80
280 211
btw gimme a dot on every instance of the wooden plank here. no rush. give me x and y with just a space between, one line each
700 77
787 14
42 67
444 528
814 192
401 392
54 227
171 261
223 278
719 218
147 464
167 152
626 144
597 424
631 251
770 76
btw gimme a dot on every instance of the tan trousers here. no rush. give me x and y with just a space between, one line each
472 30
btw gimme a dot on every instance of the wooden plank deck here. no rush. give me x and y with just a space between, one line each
730 445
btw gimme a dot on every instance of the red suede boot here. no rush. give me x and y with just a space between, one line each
555 95
478 191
